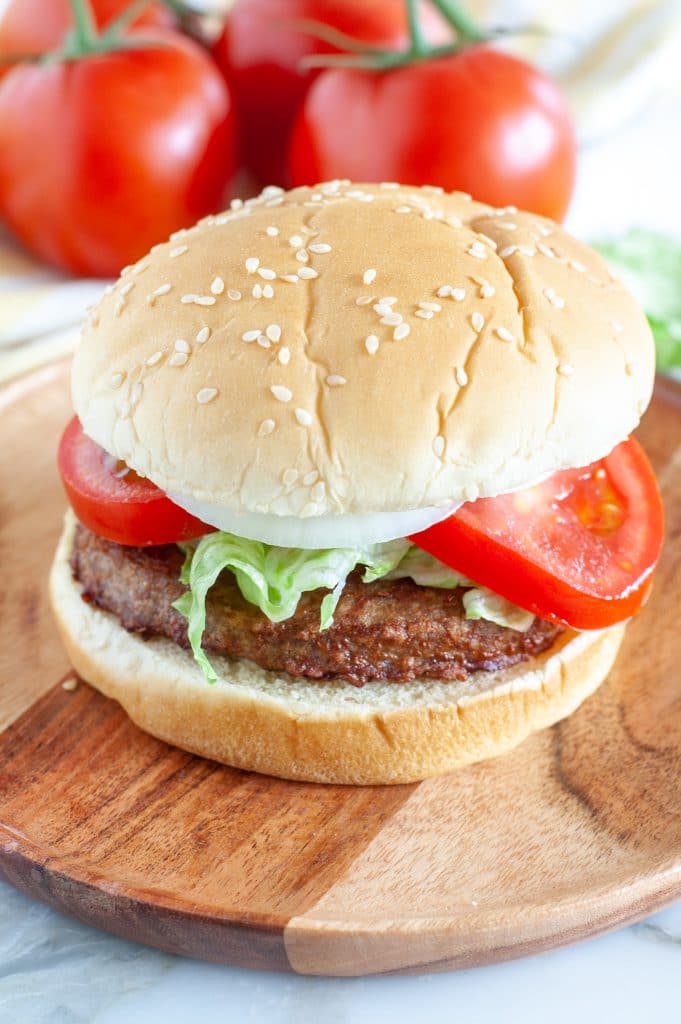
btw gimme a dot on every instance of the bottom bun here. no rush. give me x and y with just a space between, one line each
329 731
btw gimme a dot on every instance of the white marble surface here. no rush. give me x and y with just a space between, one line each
54 971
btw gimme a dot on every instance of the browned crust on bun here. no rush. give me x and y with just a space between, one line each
330 732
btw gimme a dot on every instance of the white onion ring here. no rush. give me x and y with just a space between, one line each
331 531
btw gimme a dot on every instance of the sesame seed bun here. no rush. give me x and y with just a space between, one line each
355 350
322 732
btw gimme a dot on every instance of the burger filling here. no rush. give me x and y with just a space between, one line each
402 616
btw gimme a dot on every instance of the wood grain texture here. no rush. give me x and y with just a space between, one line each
576 831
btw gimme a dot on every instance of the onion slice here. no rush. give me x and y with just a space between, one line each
331 531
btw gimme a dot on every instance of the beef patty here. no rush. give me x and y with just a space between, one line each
393 631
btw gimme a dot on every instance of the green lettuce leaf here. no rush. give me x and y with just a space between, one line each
274 580
650 265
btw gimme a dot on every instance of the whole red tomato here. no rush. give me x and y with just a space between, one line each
38 26
260 51
104 156
479 121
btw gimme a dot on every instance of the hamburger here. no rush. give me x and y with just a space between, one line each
353 493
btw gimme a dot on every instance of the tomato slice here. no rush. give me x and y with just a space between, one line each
578 549
113 501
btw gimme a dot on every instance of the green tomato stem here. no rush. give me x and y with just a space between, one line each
466 28
419 45
85 31
119 24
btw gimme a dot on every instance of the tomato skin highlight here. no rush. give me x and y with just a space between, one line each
103 157
534 546
115 504
480 121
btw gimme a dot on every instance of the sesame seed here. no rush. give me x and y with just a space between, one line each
295 241
392 319
179 250
310 509
303 417
273 332
439 445
236 204
555 300
389 184
487 240
387 300
266 427
291 278
268 292
509 225
461 376
546 250
401 332
136 393
311 478
257 291
454 222
303 256
125 410
234 294
334 380
162 289
319 248
435 190
478 322
70 685
318 492
182 346
403 209
252 264
266 274
527 250
206 395
126 288
364 300
371 344
505 334
290 476
576 265
203 335
139 268
307 273
284 356
477 249
116 380
565 369
251 335
281 393
433 307
154 359
272 231
508 251
263 341
424 314
178 359
487 290
218 286
369 276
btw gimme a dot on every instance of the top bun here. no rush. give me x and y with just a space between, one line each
244 362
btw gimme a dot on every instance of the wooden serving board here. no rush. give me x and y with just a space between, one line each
575 832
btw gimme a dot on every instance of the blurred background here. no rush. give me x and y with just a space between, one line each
75 160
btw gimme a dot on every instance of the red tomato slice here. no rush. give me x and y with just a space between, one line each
113 501
578 549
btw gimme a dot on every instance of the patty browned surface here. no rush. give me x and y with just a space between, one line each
387 630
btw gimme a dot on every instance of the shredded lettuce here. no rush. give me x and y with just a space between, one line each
274 580
650 265
481 603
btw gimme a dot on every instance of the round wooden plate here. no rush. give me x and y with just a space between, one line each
575 832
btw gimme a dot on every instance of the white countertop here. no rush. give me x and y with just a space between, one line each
54 970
